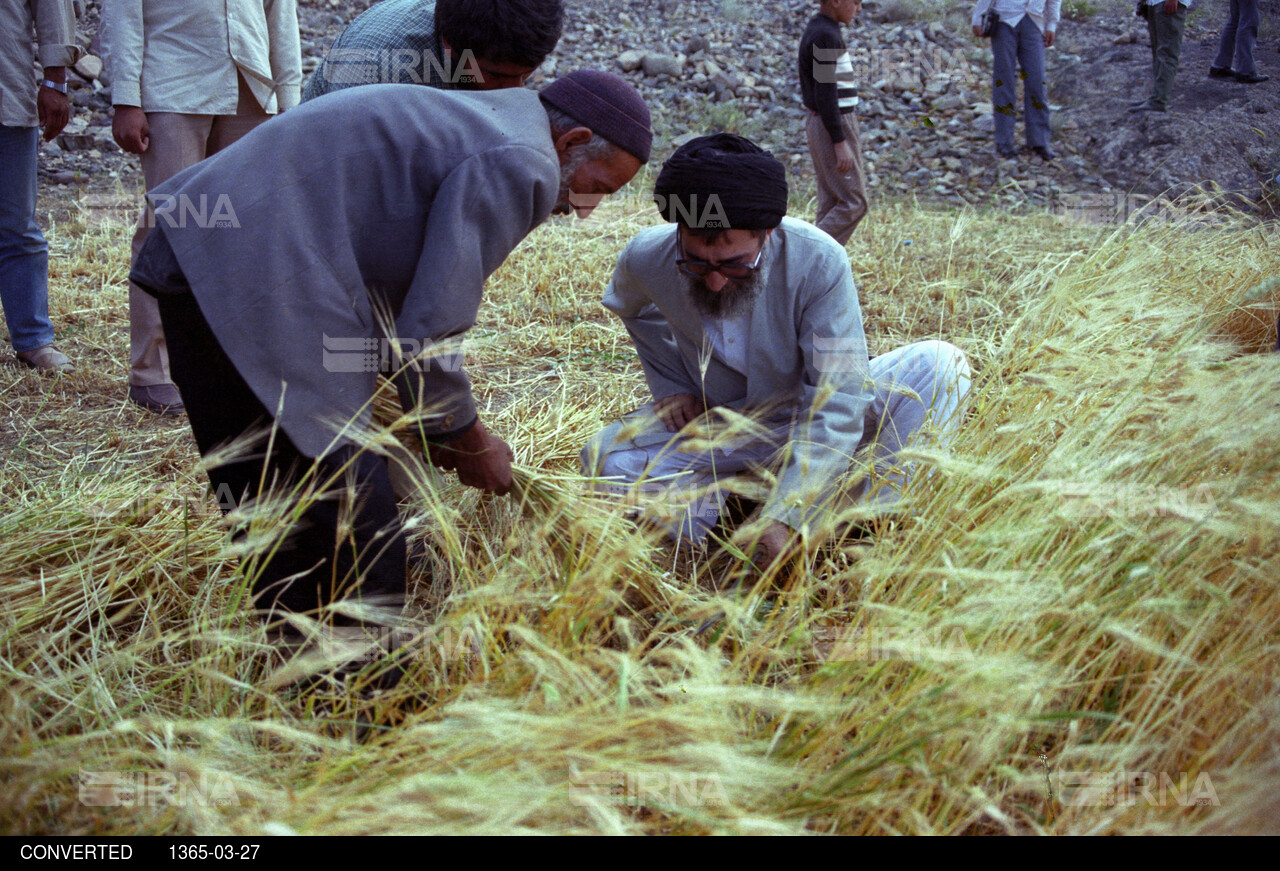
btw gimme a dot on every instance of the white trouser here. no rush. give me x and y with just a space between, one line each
918 389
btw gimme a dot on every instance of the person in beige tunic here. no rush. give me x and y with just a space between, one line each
188 79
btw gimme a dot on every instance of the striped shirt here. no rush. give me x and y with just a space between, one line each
846 87
827 83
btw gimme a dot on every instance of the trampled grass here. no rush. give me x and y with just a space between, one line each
1077 631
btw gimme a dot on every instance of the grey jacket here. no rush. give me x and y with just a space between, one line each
807 352
370 215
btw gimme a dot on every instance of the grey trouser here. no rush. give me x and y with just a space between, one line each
1011 48
1239 36
1166 48
842 198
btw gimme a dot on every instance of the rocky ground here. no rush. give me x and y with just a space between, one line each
925 92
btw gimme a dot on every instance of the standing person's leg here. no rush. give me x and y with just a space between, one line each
1170 29
1227 43
24 254
177 141
1035 89
842 200
1153 32
856 177
820 149
841 196
1004 86
347 542
850 189
1246 36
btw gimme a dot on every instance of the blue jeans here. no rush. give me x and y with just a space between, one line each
1239 36
24 255
1023 45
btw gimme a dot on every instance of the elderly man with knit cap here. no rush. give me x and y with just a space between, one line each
367 221
749 332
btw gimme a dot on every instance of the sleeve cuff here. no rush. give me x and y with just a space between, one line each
59 55
794 518
444 437
126 94
288 96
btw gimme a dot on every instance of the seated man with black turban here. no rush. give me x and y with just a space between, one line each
749 332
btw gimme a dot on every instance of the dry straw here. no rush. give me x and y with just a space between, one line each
1076 630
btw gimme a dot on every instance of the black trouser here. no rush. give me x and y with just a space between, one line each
348 542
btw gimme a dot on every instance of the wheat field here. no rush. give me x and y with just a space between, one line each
1075 630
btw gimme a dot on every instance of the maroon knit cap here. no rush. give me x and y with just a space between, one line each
608 105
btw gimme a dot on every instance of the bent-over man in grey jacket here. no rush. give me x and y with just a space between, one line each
367 220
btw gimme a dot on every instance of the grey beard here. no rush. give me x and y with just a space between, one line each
734 299
563 204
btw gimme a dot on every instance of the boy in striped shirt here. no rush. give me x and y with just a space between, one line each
827 87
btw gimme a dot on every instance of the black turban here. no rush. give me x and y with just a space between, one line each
722 179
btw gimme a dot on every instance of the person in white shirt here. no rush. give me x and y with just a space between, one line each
187 80
1026 28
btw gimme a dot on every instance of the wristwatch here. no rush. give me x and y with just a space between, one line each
60 87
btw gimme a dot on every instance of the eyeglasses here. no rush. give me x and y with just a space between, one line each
703 268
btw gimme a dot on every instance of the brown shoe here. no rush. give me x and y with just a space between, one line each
47 360
160 398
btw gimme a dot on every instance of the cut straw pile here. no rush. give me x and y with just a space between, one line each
1076 631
